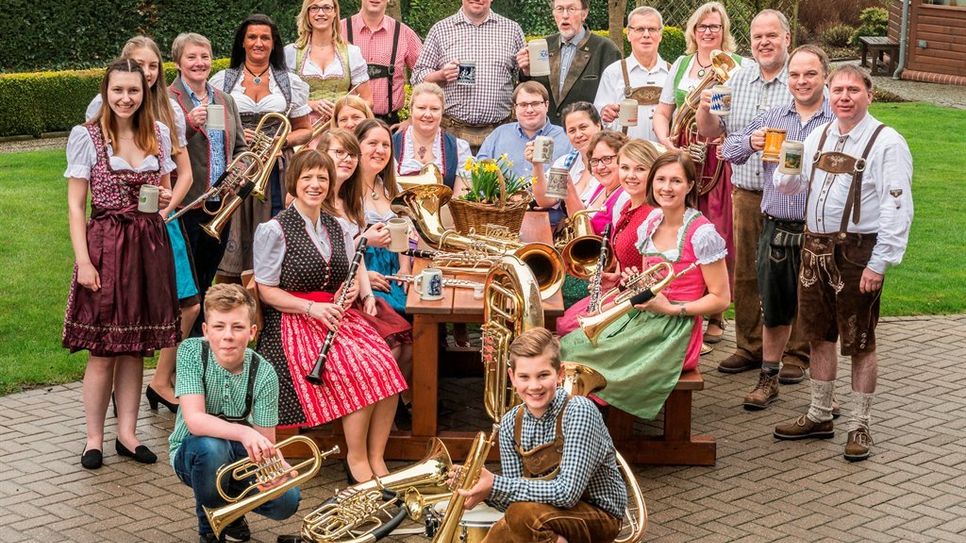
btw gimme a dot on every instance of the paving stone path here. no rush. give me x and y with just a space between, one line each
913 488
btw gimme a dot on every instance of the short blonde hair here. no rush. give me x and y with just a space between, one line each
727 40
535 342
184 40
225 297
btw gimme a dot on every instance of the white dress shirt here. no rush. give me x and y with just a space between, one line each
886 194
611 91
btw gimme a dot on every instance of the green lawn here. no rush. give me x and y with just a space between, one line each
36 257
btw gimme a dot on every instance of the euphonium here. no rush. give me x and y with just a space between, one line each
511 306
429 175
581 380
638 290
268 148
264 473
468 477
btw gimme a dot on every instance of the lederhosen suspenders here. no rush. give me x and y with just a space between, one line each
648 95
835 162
379 71
249 393
542 461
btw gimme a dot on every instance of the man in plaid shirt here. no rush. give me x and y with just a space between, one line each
560 478
472 55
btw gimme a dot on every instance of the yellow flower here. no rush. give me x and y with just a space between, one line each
469 165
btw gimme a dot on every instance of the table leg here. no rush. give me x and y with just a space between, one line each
425 375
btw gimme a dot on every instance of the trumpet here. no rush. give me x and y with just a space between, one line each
268 147
447 281
640 289
242 172
265 473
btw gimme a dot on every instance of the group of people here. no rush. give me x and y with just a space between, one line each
802 256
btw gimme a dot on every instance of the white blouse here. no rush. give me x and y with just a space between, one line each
82 155
268 248
358 69
411 165
708 245
179 121
274 101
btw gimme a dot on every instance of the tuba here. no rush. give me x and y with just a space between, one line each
684 131
265 472
581 380
467 478
268 147
422 204
511 306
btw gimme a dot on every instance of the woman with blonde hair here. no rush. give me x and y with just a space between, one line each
349 111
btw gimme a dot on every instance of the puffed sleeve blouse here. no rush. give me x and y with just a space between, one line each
82 155
269 247
274 101
358 68
179 121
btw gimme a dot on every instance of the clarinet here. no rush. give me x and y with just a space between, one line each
594 304
315 376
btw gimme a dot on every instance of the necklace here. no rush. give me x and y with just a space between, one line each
373 193
257 78
703 69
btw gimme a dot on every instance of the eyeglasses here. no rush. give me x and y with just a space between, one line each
342 154
708 28
605 160
530 105
641 30
327 9
569 10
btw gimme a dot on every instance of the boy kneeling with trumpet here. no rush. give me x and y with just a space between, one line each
229 410
560 479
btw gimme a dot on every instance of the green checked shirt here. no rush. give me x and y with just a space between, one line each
224 391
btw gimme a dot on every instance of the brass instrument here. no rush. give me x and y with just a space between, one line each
423 202
468 477
581 380
511 306
581 254
268 147
362 508
574 226
429 175
265 472
447 281
640 289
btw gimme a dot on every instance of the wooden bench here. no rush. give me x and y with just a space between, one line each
676 446
877 45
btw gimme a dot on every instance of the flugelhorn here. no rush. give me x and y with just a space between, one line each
640 289
268 147
265 473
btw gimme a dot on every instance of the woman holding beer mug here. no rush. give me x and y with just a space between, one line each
123 299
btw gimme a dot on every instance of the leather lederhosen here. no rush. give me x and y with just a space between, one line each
380 71
647 95
542 461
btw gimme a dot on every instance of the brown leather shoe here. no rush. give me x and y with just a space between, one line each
858 445
804 428
791 375
738 364
765 392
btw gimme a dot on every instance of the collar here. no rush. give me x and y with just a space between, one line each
782 76
575 41
307 220
462 18
551 413
542 132
660 66
824 111
867 123
383 24
208 89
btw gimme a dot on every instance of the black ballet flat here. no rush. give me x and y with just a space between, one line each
154 399
92 459
141 454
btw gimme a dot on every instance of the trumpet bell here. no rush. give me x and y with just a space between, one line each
581 380
580 257
429 175
546 265
422 203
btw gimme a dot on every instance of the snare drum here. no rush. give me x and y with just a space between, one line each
474 525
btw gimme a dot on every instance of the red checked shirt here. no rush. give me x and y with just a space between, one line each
376 45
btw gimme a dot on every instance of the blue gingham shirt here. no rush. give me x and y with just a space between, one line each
737 150
752 95
509 139
588 462
568 49
216 140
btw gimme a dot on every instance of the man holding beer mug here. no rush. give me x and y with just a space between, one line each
638 79
780 244
574 58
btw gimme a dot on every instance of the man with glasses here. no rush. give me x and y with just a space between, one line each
530 102
577 58
471 55
639 77
756 88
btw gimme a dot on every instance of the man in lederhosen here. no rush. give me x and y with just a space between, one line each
389 47
640 76
857 175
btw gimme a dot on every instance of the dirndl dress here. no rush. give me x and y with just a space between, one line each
360 369
642 354
136 309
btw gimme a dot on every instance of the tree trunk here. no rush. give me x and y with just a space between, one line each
615 23
394 9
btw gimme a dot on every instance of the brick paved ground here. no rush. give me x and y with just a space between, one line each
912 489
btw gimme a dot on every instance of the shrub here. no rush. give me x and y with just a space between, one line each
875 22
837 36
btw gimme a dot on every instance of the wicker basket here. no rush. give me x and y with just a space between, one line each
508 212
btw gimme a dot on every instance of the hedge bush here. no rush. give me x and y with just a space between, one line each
875 22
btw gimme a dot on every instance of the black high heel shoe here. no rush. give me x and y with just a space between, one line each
141 453
154 399
348 473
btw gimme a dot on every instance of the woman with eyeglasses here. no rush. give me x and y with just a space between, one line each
709 28
320 56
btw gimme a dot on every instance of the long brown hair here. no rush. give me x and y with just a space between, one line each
143 118
388 174
159 102
351 189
